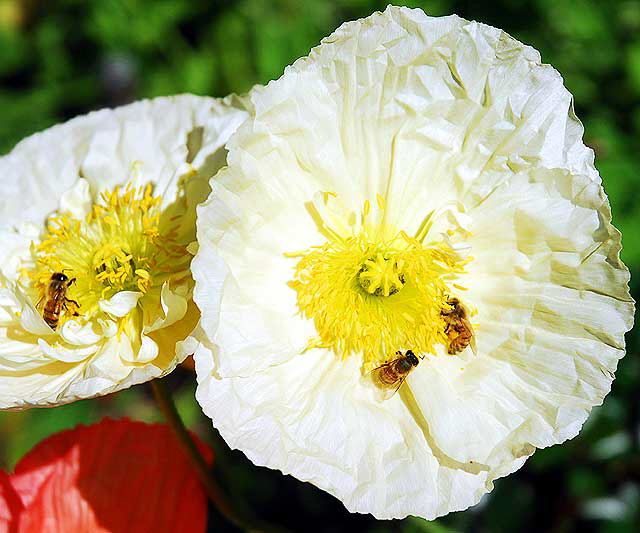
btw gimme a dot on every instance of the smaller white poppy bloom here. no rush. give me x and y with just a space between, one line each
414 185
96 219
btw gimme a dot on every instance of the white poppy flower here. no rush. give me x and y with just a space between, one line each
415 184
97 215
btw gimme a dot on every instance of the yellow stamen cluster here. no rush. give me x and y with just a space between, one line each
376 298
123 244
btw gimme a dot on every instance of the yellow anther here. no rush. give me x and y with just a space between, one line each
143 273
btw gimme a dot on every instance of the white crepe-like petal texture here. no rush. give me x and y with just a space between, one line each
435 115
173 143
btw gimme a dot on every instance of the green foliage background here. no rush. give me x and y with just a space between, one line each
60 58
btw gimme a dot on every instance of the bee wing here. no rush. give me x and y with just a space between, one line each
467 321
388 392
376 370
472 333
384 391
375 374
472 342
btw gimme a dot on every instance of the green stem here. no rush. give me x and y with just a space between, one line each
215 494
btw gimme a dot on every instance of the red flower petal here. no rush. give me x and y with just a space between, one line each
115 476
10 505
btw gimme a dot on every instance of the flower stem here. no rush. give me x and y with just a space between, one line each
215 494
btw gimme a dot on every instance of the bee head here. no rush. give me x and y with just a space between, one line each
411 357
59 276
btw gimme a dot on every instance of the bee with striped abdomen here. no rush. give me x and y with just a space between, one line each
458 328
390 376
57 300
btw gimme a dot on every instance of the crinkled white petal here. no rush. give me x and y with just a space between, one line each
267 309
435 115
121 303
314 418
64 354
169 142
81 334
77 200
30 319
174 307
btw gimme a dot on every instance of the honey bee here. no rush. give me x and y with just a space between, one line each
458 328
57 300
390 376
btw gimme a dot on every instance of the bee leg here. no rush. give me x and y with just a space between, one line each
71 282
69 301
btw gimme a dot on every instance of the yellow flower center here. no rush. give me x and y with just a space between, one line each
123 244
376 296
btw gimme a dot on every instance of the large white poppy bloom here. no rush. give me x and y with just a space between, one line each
96 217
407 162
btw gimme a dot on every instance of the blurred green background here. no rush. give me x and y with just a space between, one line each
60 58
